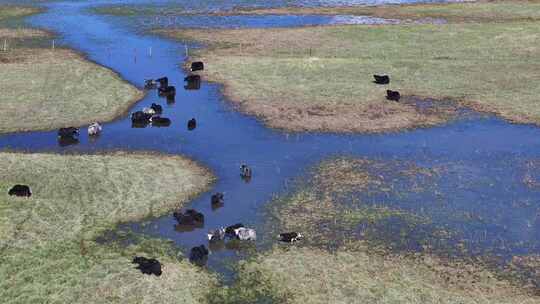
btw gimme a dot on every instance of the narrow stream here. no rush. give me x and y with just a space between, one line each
486 147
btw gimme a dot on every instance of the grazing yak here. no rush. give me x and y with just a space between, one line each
198 255
197 66
190 217
191 124
216 234
150 84
94 129
157 108
20 190
163 82
217 199
392 95
245 172
245 234
290 237
381 79
148 266
158 121
193 82
168 91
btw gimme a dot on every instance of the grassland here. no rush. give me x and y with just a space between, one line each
351 270
14 11
45 89
48 248
478 11
320 78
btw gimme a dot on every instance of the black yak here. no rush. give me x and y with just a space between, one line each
190 217
381 79
163 82
193 82
392 95
148 266
158 121
192 124
157 108
197 66
198 255
20 190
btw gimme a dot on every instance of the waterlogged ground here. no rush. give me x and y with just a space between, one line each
482 185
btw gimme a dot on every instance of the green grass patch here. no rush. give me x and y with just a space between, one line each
309 275
79 197
72 272
46 89
304 78
48 252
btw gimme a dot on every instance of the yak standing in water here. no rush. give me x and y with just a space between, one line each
198 255
157 108
94 129
245 172
192 124
163 82
193 82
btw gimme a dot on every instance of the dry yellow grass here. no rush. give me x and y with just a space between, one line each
20 33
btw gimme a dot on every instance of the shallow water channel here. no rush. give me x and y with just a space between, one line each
486 157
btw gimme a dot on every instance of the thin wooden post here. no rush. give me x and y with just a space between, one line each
53 44
5 45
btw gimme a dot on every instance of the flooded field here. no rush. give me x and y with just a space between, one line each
483 182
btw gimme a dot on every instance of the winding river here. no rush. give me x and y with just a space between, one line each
481 148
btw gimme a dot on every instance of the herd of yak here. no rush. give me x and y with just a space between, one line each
189 219
147 116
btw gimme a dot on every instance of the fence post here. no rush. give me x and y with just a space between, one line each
53 44
5 45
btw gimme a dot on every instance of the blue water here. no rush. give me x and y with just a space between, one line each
486 155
